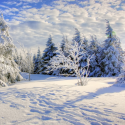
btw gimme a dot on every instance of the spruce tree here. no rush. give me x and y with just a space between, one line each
34 60
85 50
9 71
77 37
121 78
94 50
64 45
49 52
37 63
111 57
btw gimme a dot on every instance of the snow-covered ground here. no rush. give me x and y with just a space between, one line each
49 100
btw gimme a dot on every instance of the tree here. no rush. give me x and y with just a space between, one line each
121 78
111 60
29 62
85 47
49 52
71 62
26 61
9 72
64 45
77 37
94 50
37 63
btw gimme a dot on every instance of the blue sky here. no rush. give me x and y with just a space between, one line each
32 21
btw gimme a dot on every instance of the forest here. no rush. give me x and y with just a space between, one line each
79 57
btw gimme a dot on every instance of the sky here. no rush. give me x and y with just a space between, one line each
32 21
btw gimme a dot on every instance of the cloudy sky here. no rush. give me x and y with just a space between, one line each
32 21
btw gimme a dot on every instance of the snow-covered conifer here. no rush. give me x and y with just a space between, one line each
121 78
37 63
9 71
111 57
77 37
49 52
94 49
64 45
85 47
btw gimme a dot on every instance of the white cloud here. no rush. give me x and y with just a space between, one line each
68 0
32 26
4 6
26 7
31 1
20 3
83 2
91 1
10 3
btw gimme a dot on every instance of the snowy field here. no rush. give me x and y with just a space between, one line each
49 100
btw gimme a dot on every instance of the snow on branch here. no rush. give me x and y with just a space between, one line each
72 61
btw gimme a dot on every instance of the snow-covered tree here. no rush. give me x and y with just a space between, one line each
71 62
65 48
94 49
121 78
26 61
29 62
77 37
37 63
19 60
9 71
111 57
49 52
64 45
85 47
34 60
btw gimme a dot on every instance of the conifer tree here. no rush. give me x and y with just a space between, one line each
37 65
49 52
121 78
64 45
94 50
9 71
85 47
77 37
34 60
111 57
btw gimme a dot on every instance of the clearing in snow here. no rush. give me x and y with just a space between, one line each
49 100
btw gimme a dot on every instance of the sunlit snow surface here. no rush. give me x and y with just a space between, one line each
49 100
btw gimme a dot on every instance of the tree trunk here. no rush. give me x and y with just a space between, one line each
29 76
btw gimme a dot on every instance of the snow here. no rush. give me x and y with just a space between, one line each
51 100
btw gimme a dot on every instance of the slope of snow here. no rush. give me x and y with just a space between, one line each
47 100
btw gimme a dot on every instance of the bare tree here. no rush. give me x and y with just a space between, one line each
72 61
27 60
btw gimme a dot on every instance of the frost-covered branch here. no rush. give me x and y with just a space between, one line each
27 61
72 61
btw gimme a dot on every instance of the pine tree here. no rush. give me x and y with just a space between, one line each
64 45
37 65
34 60
121 78
85 49
9 71
65 48
77 37
94 50
49 52
111 60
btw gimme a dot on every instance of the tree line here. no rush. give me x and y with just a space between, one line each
107 58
